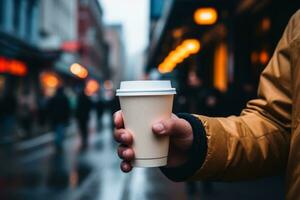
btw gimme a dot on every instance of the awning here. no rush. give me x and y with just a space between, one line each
15 48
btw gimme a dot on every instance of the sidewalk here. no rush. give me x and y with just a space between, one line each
40 172
95 174
18 148
43 139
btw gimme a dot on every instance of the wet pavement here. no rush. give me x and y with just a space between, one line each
44 173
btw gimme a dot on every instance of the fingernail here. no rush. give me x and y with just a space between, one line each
159 128
126 168
123 137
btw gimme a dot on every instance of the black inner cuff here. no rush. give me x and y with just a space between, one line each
197 152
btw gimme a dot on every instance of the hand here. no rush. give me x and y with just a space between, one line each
179 130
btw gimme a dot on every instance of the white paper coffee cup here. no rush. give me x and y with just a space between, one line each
144 103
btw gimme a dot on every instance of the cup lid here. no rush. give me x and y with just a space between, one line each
143 88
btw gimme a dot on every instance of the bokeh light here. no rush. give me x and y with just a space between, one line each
92 87
79 71
192 46
264 57
183 51
13 67
50 81
205 16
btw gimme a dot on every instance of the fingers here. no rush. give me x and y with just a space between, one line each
123 136
174 126
125 153
126 167
165 127
118 120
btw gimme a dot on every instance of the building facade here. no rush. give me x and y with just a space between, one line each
58 22
20 44
93 48
21 61
116 61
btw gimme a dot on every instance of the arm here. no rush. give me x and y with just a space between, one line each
251 145
256 143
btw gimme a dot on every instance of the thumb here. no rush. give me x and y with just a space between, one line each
174 126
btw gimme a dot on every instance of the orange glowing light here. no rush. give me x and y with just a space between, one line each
3 65
264 57
83 74
92 86
192 45
78 70
163 69
13 67
205 16
177 33
166 67
174 57
178 55
49 80
265 24
221 67
75 68
184 50
17 68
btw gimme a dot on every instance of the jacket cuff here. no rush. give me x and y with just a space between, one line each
197 152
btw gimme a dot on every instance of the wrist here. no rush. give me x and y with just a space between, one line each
181 145
195 154
189 135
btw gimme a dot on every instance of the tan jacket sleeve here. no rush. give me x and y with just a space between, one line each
257 142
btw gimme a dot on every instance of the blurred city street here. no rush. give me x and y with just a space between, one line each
42 173
62 61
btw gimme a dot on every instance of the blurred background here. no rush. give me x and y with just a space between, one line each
62 60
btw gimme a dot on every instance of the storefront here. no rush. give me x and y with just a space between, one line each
235 39
20 86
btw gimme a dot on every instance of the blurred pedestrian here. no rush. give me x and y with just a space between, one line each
59 114
84 106
26 112
100 106
42 102
263 141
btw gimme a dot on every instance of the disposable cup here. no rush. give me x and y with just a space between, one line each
144 103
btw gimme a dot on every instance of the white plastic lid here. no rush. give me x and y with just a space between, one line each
143 88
